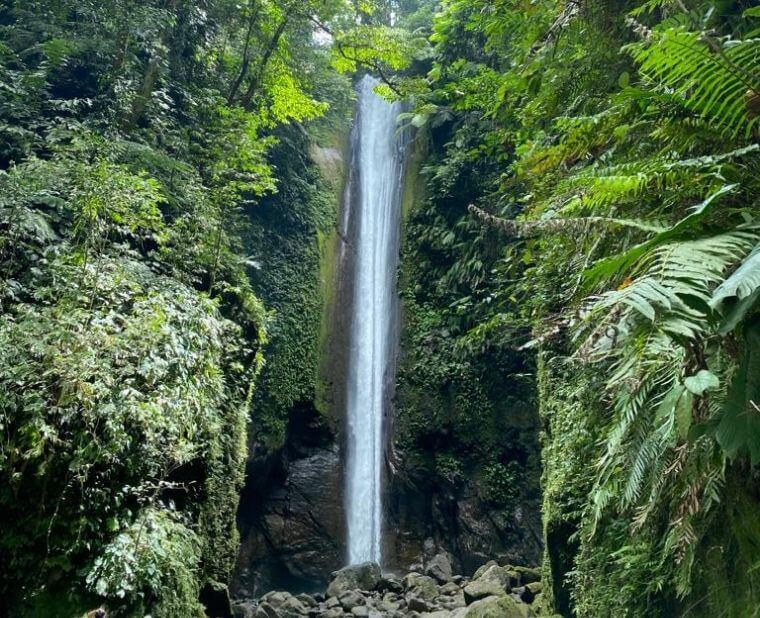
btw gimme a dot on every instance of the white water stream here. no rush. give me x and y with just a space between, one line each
378 160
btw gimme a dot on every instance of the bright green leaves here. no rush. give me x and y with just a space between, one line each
380 48
288 100
108 194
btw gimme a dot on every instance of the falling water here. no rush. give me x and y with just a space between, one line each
378 165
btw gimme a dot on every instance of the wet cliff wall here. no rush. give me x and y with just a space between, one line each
291 516
466 455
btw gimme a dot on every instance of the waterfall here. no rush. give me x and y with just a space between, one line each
375 205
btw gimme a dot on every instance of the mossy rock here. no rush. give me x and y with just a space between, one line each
528 575
498 607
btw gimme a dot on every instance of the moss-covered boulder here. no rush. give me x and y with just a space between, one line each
497 607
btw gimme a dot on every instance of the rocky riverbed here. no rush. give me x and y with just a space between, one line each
429 591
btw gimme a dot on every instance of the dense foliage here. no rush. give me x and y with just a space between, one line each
134 138
621 140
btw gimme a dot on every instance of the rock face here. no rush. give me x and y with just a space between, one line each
495 591
291 523
426 519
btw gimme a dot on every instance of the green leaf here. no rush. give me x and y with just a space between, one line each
742 283
737 313
703 381
621 262
738 431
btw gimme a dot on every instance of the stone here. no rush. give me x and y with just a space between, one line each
389 583
265 610
499 575
535 587
292 608
484 568
480 589
441 613
416 604
332 602
360 610
216 599
496 607
450 588
439 568
307 600
355 577
528 575
350 599
275 598
421 585
454 601
333 612
389 603
245 609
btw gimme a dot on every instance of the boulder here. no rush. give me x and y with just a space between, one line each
496 607
245 609
275 598
332 602
453 601
421 585
389 583
350 599
292 608
416 604
450 588
528 575
360 610
265 610
355 577
484 568
216 599
499 575
307 600
389 603
480 589
439 568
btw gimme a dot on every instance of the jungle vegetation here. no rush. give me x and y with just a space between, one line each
592 209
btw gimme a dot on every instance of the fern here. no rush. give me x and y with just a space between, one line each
712 75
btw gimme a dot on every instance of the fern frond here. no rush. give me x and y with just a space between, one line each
712 75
